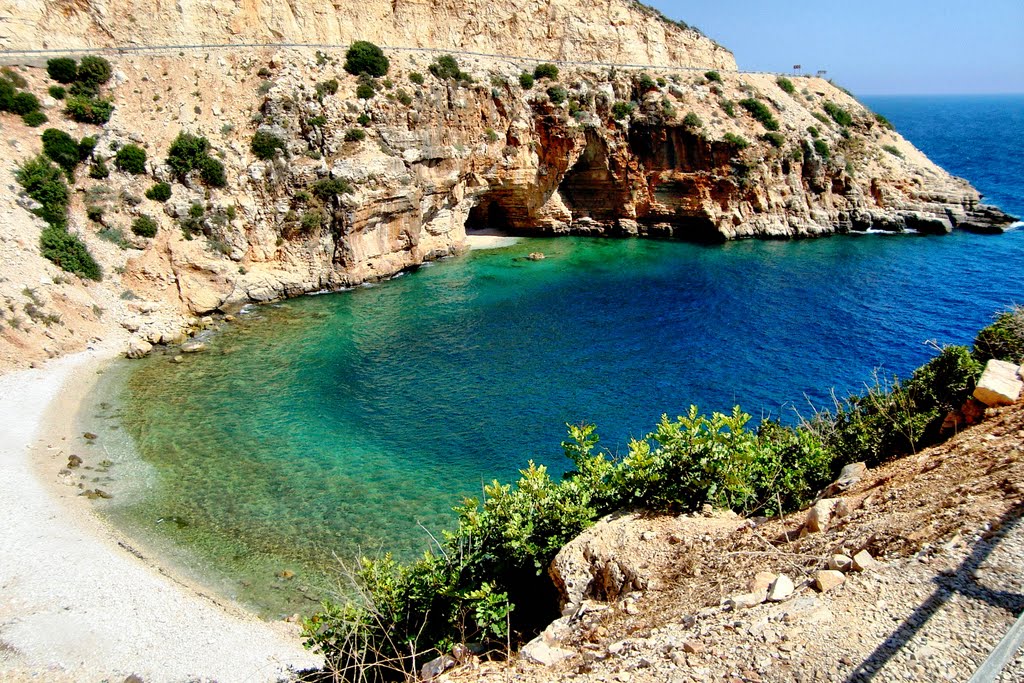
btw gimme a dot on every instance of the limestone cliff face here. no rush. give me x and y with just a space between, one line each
587 30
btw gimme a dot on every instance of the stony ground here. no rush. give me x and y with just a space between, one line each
944 526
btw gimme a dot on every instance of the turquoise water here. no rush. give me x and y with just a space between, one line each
324 427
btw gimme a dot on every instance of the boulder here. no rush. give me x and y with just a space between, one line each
138 348
999 385
193 346
436 667
827 579
780 589
819 516
840 563
863 561
597 564
543 653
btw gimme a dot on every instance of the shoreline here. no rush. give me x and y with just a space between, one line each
79 603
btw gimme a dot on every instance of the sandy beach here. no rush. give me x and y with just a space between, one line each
75 603
489 239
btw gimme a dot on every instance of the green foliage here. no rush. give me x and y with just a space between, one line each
12 76
546 70
785 84
85 109
622 110
45 183
736 141
416 77
93 71
355 135
311 220
526 80
645 83
24 103
57 92
94 213
364 57
774 139
692 121
813 130
145 226
403 97
317 121
1003 339
186 152
728 107
6 95
159 192
893 150
62 69
131 159
821 148
69 252
265 144
445 67
326 189
760 112
365 91
884 122
557 94
363 120
838 114
212 172
86 146
114 236
713 76
98 170
34 119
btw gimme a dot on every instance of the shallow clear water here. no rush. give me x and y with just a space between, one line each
348 423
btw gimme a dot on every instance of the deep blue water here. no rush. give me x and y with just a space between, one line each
337 424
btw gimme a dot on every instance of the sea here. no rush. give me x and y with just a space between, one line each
321 429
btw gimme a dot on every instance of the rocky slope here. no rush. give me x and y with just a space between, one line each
414 163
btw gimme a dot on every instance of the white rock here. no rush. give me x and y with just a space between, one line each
138 348
820 515
544 654
863 561
840 563
745 600
1000 384
781 589
827 579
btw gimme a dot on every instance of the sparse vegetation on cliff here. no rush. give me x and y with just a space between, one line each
546 70
131 159
760 111
445 67
786 84
838 114
363 57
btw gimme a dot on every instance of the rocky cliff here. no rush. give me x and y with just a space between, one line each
373 176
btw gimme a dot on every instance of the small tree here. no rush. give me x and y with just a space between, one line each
62 69
160 192
144 226
365 57
212 172
131 159
93 71
265 144
546 71
24 103
526 80
62 148
186 152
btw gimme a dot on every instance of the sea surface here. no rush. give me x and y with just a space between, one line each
326 427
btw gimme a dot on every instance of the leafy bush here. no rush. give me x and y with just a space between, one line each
93 71
813 130
416 77
785 84
760 112
94 213
728 107
44 183
86 109
57 92
186 152
546 71
1003 339
326 88
645 83
114 236
884 122
131 159
24 103
62 69
159 192
363 120
365 91
326 189
355 135
404 97
821 147
265 144
145 226
69 252
526 80
445 67
62 148
893 150
212 172
98 170
838 114
713 76
621 110
736 141
13 77
311 220
692 121
557 94
6 95
364 57
34 119
774 139
86 146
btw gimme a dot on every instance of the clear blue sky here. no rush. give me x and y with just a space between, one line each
873 47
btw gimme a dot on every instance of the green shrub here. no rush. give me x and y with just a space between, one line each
884 122
621 110
57 92
94 213
131 159
114 236
416 77
98 170
68 252
355 135
545 70
34 119
86 146
265 144
785 84
445 67
774 139
404 97
326 88
893 150
145 226
1003 339
24 103
557 94
318 121
492 135
736 141
326 189
645 83
526 80
93 71
713 76
692 121
365 91
728 107
7 92
86 109
185 153
760 112
62 69
159 192
212 172
363 120
821 147
45 183
311 220
813 130
15 78
838 114
364 57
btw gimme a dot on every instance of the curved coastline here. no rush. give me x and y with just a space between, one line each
79 603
